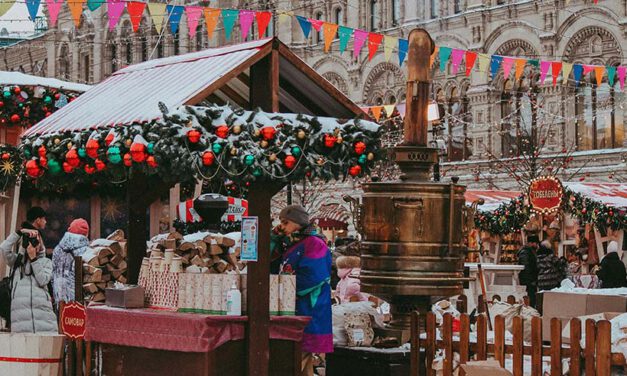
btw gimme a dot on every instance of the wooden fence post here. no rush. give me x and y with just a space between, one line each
575 347
499 340
517 353
590 347
556 347
536 346
415 344
604 348
482 337
431 343
464 341
447 339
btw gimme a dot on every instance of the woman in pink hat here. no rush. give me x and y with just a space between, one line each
74 243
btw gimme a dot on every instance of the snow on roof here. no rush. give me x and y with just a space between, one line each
492 199
133 94
19 78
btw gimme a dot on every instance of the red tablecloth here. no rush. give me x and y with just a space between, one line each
165 330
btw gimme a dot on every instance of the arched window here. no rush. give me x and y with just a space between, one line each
396 12
457 4
319 36
113 53
64 62
338 16
596 45
177 43
600 119
455 125
375 11
435 8
160 42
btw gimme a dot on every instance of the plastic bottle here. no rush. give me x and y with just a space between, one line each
234 301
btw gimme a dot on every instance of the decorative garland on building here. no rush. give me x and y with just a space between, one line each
205 143
27 105
10 166
512 216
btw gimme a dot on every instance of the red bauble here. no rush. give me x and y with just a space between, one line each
268 133
48 114
100 165
128 161
222 131
1 104
109 138
72 158
355 170
208 158
329 140
42 151
92 148
152 162
360 147
43 161
15 118
32 169
138 152
67 168
17 90
90 169
193 136
57 96
5 156
290 162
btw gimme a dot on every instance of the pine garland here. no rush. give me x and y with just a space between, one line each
27 105
10 166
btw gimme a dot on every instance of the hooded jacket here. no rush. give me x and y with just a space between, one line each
551 270
63 265
612 273
31 306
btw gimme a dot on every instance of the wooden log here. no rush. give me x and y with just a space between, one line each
113 246
96 276
447 338
116 259
124 249
90 288
123 265
90 257
187 246
536 346
604 348
575 347
122 279
117 235
220 267
224 241
198 261
215 249
89 269
556 347
98 297
237 251
101 285
517 328
208 238
116 273
201 246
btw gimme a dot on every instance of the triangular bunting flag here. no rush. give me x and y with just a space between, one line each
445 54
403 45
329 30
484 62
345 35
456 59
436 49
621 77
598 72
305 25
175 12
471 57
587 69
135 10
157 12
520 68
53 9
114 11
211 20
507 66
495 64
566 69
359 37
33 7
246 18
229 16
388 46
285 17
193 14
577 72
534 62
556 67
611 72
364 109
92 5
263 20
389 110
5 6
374 40
76 8
376 111
401 107
544 69
317 24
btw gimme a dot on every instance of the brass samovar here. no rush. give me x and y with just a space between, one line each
412 229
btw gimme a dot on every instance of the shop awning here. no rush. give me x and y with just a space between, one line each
19 78
332 215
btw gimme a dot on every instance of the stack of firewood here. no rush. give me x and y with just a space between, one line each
103 264
209 252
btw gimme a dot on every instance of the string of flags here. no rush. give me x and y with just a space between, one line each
388 110
330 31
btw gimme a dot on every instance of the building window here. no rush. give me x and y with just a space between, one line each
338 16
455 144
396 12
144 48
128 48
457 6
374 15
64 62
86 68
177 43
519 118
319 37
160 42
435 8
600 122
113 50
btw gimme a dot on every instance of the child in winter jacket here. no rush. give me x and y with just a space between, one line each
349 286
73 243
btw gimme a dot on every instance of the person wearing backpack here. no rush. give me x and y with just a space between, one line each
551 269
31 304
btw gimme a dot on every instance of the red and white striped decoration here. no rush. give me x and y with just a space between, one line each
186 212
237 209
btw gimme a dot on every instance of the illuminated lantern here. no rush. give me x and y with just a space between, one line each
152 162
92 148
208 158
359 147
138 152
268 133
290 162
100 165
329 141
222 131
90 169
355 170
32 169
42 151
128 161
71 157
193 135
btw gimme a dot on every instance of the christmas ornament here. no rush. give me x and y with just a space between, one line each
339 140
69 145
362 159
47 99
43 161
89 169
193 135
354 170
152 162
100 165
92 148
67 168
233 151
17 90
249 160
222 131
301 134
113 154
370 156
268 133
32 168
359 147
15 118
257 172
82 153
217 148
138 152
150 148
237 129
5 156
296 151
7 94
290 162
57 141
320 161
329 141
263 144
128 142
71 157
7 168
257 133
128 160
208 158
272 157
1 104
109 138
53 167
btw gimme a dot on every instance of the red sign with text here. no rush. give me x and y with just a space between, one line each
545 194
73 320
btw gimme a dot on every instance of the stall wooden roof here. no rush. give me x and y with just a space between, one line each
216 75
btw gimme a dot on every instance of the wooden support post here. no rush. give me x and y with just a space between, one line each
78 279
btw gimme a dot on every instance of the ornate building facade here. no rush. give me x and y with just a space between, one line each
483 119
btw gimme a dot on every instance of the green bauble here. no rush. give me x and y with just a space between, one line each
7 94
113 154
27 153
82 153
296 151
249 160
257 172
20 105
217 148
362 159
150 148
47 99
53 167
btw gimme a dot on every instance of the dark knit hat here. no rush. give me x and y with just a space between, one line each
34 213
296 214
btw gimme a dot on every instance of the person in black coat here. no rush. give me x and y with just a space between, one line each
551 269
529 275
612 273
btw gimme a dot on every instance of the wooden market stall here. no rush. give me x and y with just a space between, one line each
262 74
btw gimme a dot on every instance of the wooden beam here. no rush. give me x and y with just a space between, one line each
264 78
244 79
234 96
213 98
303 98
